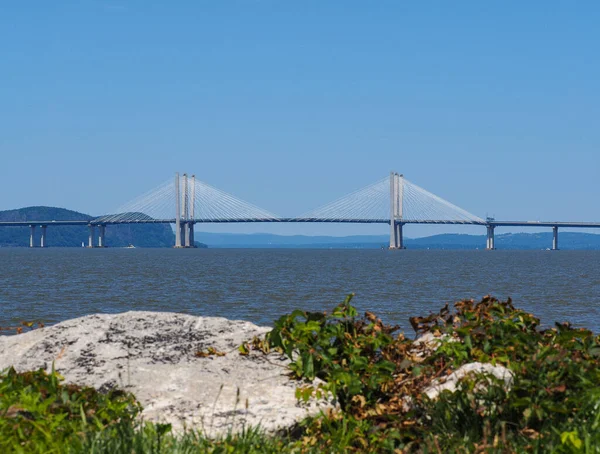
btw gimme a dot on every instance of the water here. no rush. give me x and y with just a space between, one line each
52 285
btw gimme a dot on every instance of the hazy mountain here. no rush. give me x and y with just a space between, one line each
140 235
567 240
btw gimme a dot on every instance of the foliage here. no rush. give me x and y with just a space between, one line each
23 327
210 351
156 438
378 377
40 414
347 352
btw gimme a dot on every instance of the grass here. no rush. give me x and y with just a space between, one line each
377 375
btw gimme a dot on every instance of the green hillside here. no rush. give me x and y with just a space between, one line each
140 235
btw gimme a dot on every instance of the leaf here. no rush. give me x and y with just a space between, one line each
468 342
571 438
309 366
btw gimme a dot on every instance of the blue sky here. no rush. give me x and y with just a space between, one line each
494 106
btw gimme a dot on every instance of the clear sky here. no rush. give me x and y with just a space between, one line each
494 106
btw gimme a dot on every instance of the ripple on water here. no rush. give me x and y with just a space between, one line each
261 285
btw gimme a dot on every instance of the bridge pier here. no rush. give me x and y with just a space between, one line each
555 238
101 235
91 235
189 235
43 237
490 246
183 234
397 235
32 236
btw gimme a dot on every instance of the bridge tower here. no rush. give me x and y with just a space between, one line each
177 213
185 205
396 211
185 197
190 242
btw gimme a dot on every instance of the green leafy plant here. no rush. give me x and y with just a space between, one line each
379 377
38 413
346 351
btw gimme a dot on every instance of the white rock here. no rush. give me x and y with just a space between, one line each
451 381
151 354
432 342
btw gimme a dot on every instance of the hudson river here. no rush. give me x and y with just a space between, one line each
52 285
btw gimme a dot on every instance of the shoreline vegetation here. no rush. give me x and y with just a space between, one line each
546 400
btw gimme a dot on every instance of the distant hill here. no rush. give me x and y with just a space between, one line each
567 240
266 240
140 235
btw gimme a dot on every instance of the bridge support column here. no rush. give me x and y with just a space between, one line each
177 213
555 238
32 236
399 235
192 204
43 237
393 241
189 235
91 235
182 234
101 235
490 246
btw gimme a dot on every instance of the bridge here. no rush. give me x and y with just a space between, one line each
185 202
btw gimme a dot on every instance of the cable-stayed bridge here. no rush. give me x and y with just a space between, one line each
186 201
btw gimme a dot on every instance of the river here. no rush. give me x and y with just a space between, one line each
52 285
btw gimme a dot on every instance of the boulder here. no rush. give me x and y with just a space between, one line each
152 355
432 341
450 382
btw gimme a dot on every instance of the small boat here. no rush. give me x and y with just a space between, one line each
131 246
82 244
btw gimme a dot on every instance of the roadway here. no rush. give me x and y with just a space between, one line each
494 223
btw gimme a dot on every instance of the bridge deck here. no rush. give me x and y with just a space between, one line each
99 221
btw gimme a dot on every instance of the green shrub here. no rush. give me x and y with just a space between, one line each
345 351
40 414
379 377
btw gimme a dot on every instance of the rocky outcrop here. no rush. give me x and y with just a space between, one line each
473 370
153 356
432 341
